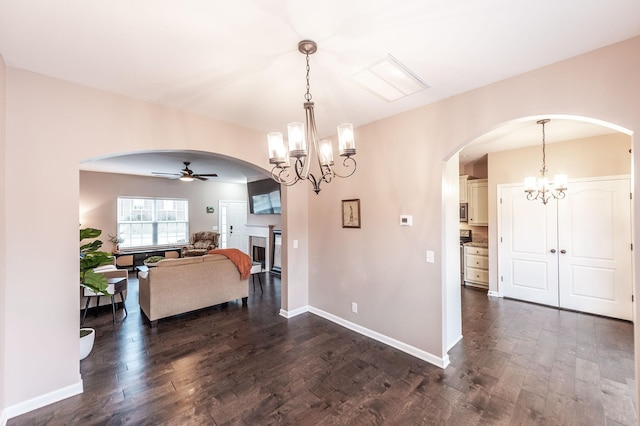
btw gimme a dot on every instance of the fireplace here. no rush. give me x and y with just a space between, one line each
260 244
258 255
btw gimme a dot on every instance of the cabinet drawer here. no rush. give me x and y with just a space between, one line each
478 262
476 275
476 250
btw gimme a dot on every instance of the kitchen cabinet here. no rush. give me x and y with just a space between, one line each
476 266
464 180
478 199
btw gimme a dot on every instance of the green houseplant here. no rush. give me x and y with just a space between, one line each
91 257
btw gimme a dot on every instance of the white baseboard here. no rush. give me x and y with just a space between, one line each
411 350
43 400
3 418
494 293
454 343
295 312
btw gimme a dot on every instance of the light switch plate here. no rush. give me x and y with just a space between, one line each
430 256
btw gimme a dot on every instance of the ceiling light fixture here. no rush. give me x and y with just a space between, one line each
540 188
298 139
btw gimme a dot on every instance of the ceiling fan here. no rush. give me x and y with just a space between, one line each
186 174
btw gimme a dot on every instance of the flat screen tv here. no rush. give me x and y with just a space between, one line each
264 197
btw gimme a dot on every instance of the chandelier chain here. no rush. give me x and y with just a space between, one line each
544 154
307 96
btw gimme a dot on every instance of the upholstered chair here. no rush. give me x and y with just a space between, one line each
201 243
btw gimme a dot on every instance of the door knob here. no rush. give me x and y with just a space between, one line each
563 251
553 250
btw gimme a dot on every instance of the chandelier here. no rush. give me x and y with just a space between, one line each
540 188
304 144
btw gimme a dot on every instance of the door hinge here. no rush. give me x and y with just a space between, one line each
501 278
500 239
631 195
631 246
632 298
500 200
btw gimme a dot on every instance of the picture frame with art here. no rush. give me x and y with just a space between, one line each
351 213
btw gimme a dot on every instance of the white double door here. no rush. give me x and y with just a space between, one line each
573 253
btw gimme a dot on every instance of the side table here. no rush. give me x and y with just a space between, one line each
115 286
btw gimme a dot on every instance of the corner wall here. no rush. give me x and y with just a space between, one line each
3 239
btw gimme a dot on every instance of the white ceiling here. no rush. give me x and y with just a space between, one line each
236 60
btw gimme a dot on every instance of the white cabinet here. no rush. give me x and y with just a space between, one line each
464 179
478 199
476 266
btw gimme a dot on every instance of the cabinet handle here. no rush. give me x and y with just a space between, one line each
553 250
563 251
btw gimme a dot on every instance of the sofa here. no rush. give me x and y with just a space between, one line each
200 243
177 286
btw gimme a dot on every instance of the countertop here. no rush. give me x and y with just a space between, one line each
477 244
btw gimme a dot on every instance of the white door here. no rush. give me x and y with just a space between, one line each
233 221
527 238
595 248
573 253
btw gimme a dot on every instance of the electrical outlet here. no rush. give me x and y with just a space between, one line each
295 243
354 307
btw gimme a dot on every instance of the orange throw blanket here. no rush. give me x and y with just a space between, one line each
240 259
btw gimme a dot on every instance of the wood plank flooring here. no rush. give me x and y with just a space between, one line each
518 364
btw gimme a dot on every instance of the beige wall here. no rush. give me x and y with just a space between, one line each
606 155
54 125
3 256
381 266
99 193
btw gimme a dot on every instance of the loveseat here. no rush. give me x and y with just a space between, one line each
177 286
200 243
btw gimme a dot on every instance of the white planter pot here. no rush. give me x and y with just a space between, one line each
86 343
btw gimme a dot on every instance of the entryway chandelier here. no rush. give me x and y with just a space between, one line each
279 153
540 188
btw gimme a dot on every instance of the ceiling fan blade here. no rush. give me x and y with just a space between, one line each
199 177
166 174
207 174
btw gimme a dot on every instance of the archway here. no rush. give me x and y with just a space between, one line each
150 173
451 163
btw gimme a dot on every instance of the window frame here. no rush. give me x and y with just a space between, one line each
154 222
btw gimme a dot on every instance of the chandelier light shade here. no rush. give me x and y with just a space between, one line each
303 145
540 188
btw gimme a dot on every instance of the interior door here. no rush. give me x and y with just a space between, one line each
527 247
233 220
595 248
573 253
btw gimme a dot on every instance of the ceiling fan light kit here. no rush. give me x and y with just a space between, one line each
186 174
301 134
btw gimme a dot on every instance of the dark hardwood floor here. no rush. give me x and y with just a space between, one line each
517 364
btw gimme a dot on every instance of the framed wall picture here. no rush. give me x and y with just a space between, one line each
351 213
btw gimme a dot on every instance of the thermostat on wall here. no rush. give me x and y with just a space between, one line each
406 220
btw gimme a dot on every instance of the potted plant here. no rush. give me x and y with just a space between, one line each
91 257
116 240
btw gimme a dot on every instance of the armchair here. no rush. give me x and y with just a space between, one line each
201 243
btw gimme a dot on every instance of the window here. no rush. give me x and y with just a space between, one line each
152 222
